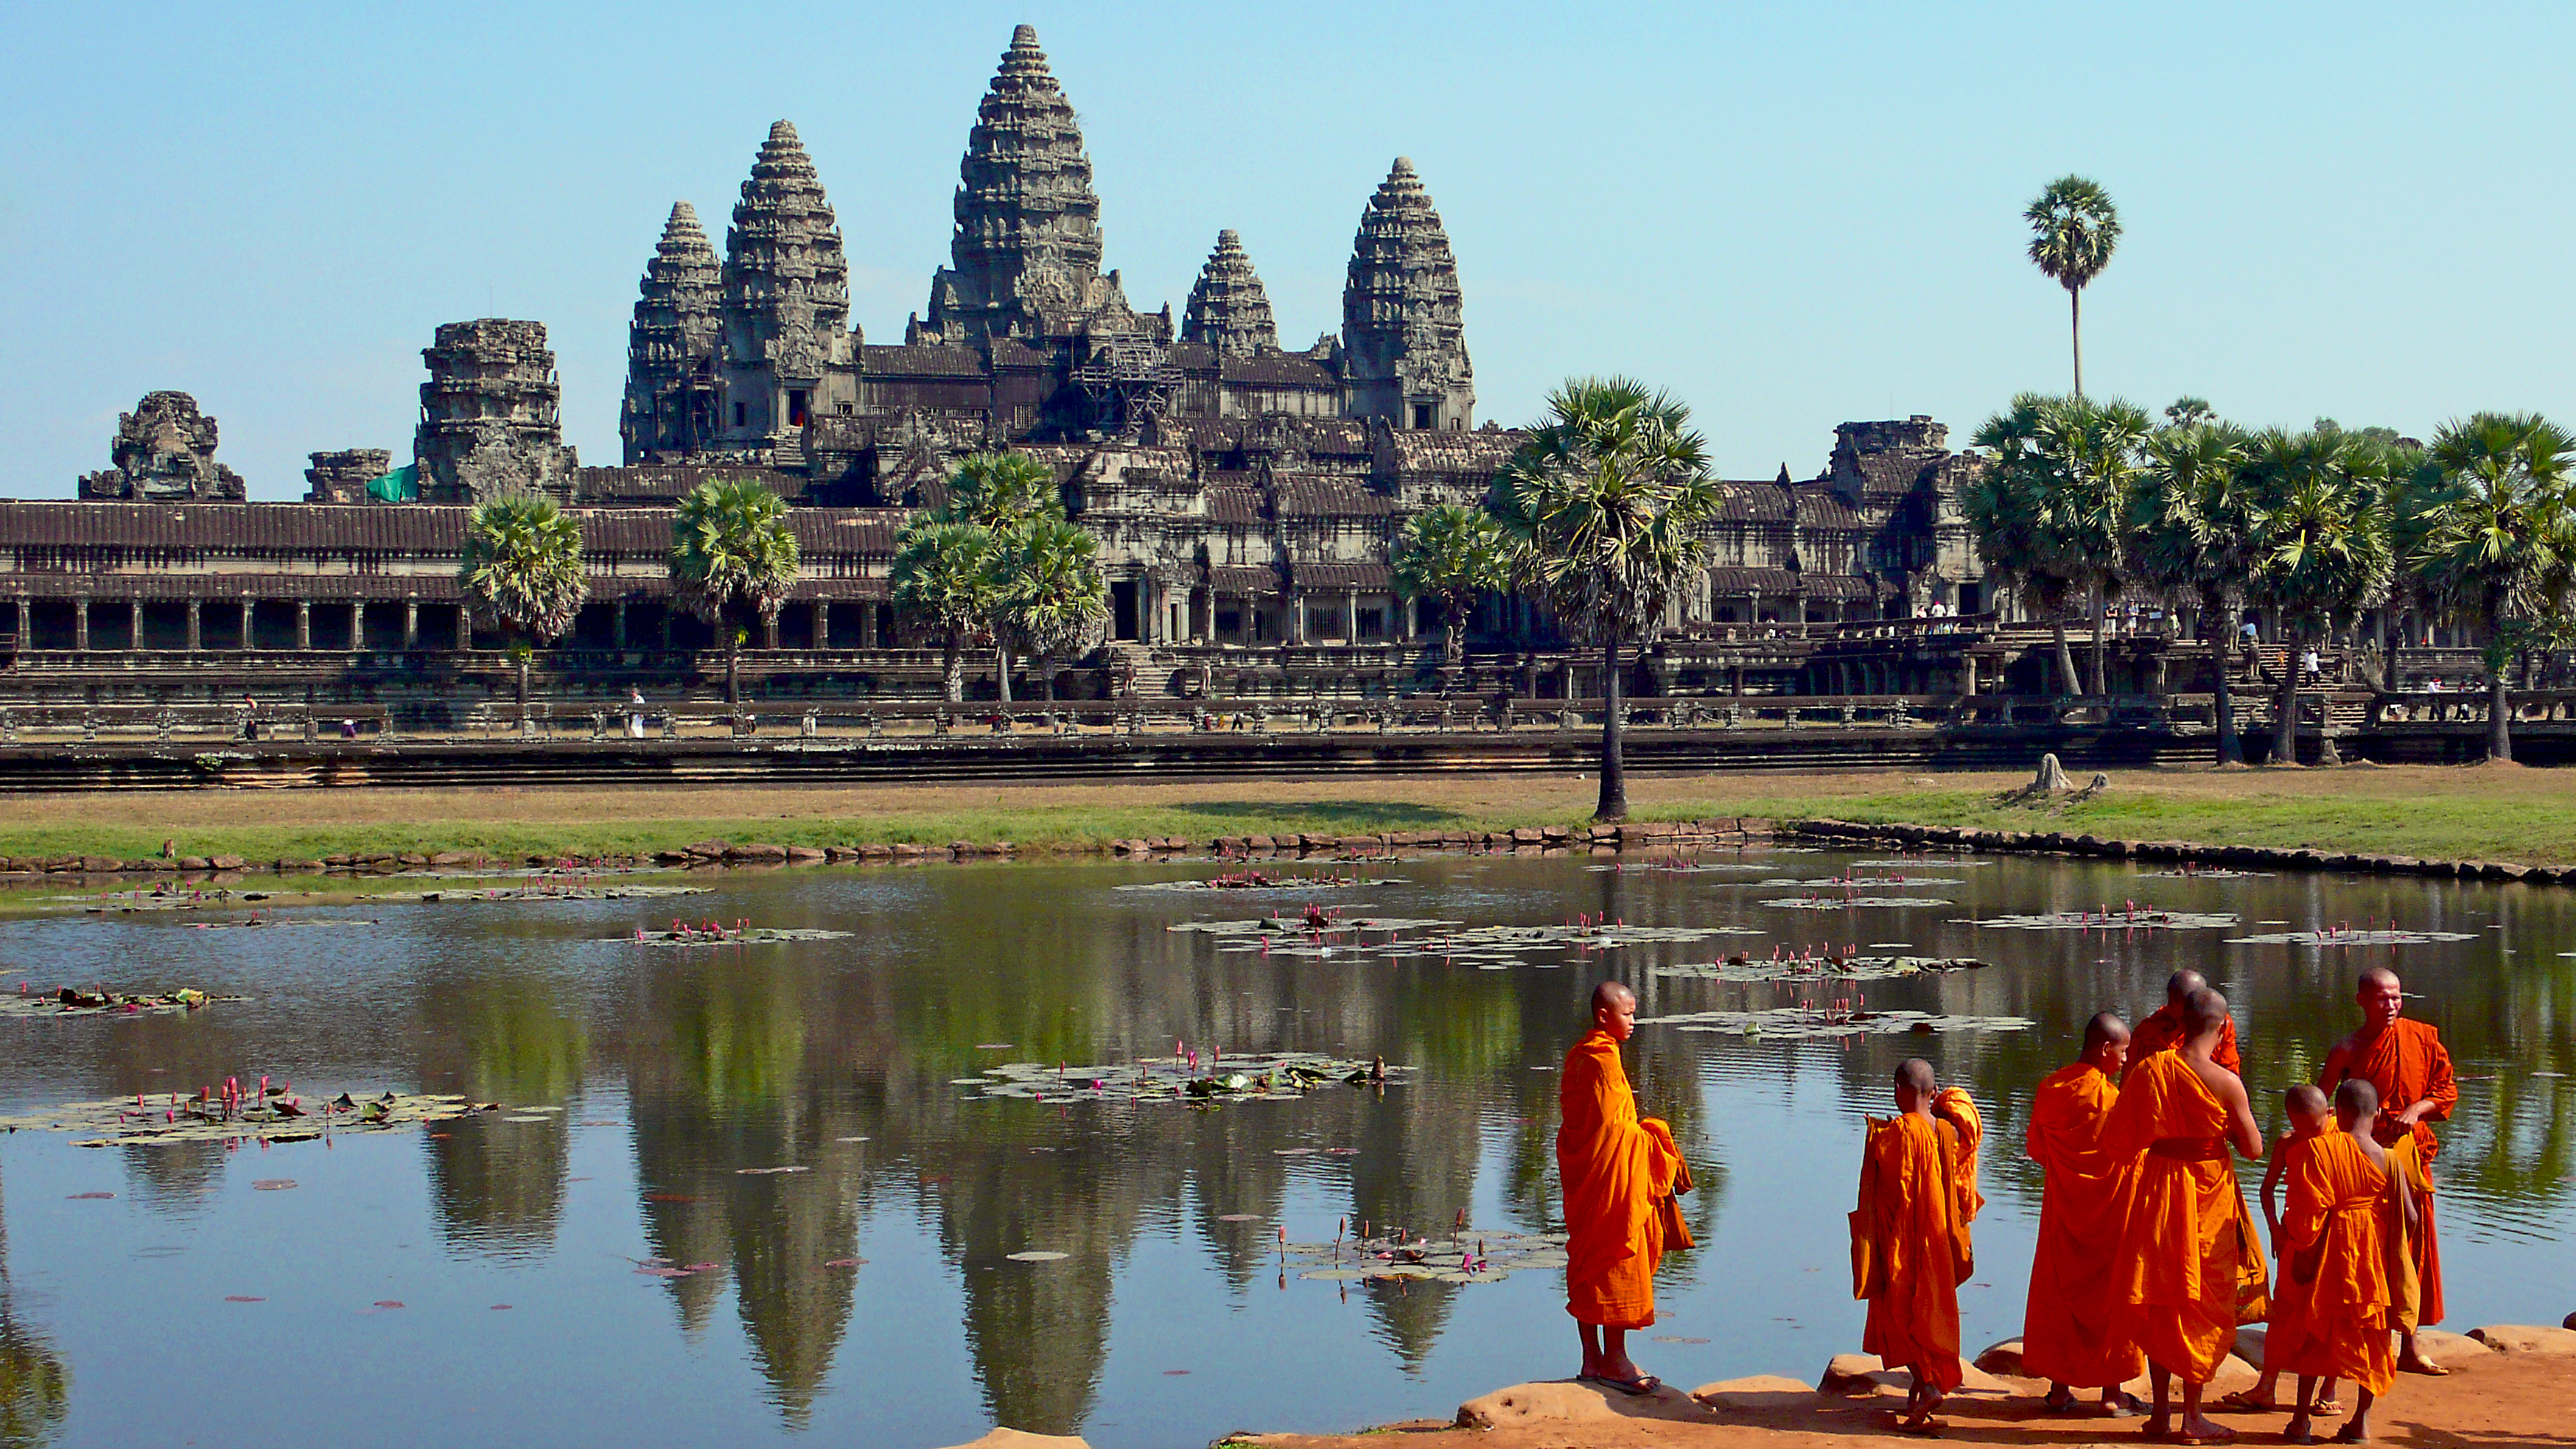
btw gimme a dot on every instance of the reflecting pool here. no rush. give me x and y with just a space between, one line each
627 1268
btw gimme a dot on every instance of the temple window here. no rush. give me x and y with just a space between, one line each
1422 415
796 407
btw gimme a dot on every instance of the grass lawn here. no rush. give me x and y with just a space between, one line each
2478 812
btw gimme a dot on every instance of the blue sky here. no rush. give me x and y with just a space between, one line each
1791 215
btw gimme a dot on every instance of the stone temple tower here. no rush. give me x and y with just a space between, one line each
671 346
1024 260
1229 310
491 415
1403 335
786 300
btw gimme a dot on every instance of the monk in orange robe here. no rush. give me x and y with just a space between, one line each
2164 1027
2310 1116
1617 1170
2068 1332
2407 1063
1910 1244
2185 1244
2345 1227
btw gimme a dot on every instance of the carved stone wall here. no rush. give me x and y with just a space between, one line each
164 451
671 346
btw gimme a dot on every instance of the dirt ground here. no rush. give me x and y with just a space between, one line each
2489 1401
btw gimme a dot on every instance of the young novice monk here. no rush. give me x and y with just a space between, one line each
2310 1116
1910 1243
2349 1212
1617 1169
2068 1333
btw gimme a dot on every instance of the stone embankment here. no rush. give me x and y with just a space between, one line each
2233 857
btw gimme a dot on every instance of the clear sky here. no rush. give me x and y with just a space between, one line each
1791 215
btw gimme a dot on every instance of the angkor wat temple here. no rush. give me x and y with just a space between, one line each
1245 494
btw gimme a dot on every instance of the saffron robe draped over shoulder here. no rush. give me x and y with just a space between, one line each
1911 1232
1615 1168
2340 1230
2409 1064
2288 1318
2070 1331
2163 1028
2185 1250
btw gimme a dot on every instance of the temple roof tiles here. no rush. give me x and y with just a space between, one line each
1363 576
1324 495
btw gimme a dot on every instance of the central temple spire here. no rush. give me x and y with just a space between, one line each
1025 256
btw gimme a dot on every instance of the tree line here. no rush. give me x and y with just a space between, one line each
2085 500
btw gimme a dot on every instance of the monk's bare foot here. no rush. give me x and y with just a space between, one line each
2413 1361
2199 1430
2250 1401
2355 1432
2299 1431
2060 1399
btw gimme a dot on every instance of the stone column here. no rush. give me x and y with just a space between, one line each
80 625
1350 616
249 615
411 624
769 632
617 635
868 627
822 624
304 623
357 624
196 628
133 624
1404 608
1297 618
464 627
26 624
1968 675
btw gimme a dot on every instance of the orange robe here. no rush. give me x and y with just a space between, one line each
2340 1229
1616 1168
2185 1249
2163 1028
2408 1063
2069 1332
2288 1319
1910 1248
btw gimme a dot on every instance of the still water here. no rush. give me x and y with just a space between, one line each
512 1247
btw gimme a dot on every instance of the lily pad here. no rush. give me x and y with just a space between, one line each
1792 1023
1860 968
755 936
2141 918
156 1118
1844 903
2350 938
68 1001
1234 1078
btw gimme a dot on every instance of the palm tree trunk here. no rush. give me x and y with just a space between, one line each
733 669
2285 716
2101 658
2067 680
2499 715
2231 750
2075 320
1002 676
1614 772
523 686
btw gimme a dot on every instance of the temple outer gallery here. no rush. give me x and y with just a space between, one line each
1245 493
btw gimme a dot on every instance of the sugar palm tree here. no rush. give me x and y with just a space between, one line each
2187 522
1050 597
731 548
1001 490
1604 503
2499 539
1454 554
2073 230
2051 511
522 569
2317 529
944 577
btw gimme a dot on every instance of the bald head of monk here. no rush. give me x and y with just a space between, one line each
2356 1103
2106 1043
2306 1107
1916 1085
2203 1013
2180 985
2382 997
1614 1010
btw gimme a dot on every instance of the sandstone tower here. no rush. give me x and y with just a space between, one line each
491 415
1403 334
670 407
1024 260
786 300
164 452
1228 309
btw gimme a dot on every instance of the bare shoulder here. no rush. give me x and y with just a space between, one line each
2338 1057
